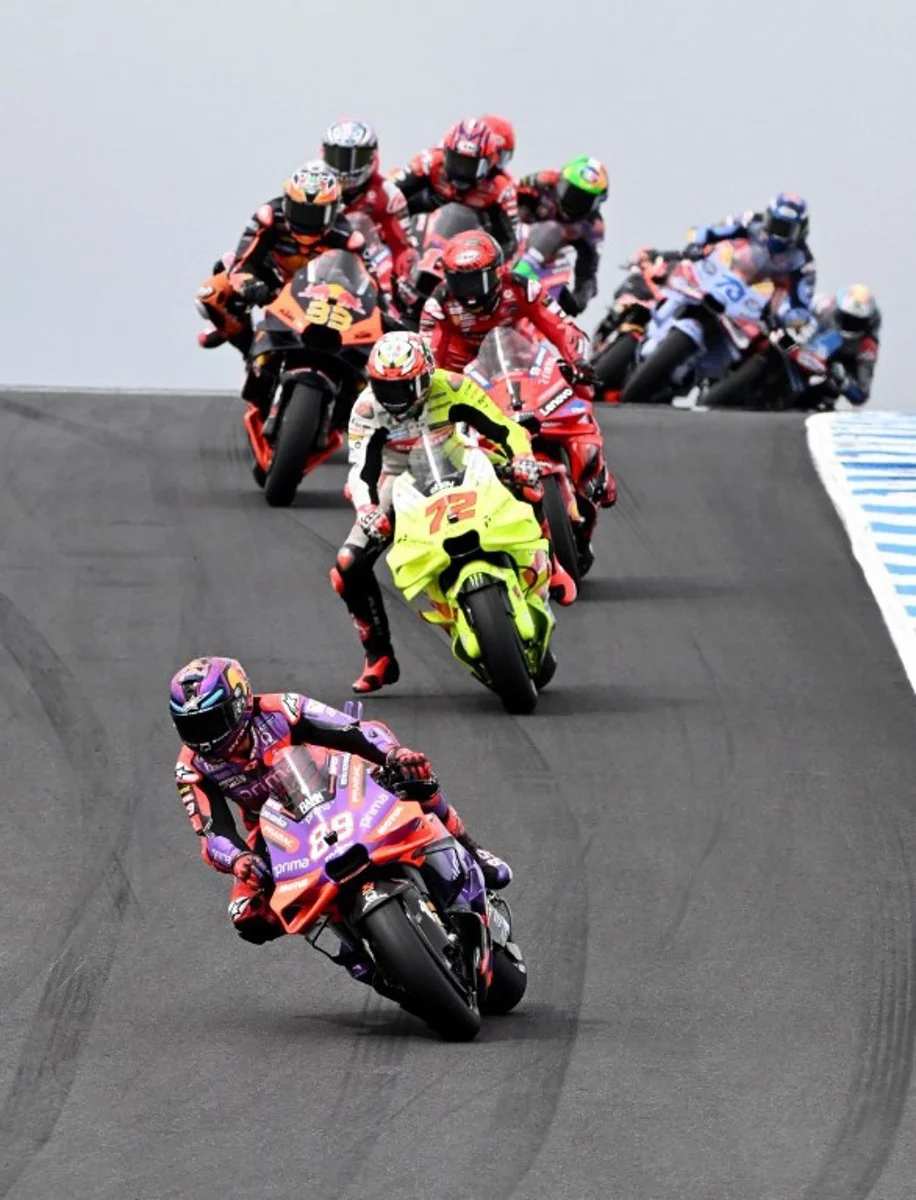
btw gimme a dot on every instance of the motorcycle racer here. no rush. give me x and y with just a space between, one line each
408 399
478 294
351 149
229 734
504 133
781 232
465 169
572 197
283 235
854 312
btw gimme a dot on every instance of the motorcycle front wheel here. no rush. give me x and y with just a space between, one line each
650 378
501 649
296 436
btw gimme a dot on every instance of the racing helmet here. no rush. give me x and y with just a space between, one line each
785 222
504 136
469 153
582 188
471 264
855 310
351 149
211 705
401 369
311 200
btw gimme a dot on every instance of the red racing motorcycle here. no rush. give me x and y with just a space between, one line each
525 378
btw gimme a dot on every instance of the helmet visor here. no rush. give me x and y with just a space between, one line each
470 286
464 169
348 160
309 218
209 729
401 397
851 324
576 203
786 229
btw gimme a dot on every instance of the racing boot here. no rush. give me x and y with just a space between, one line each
380 669
562 585
496 873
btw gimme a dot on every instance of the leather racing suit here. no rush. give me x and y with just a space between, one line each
537 201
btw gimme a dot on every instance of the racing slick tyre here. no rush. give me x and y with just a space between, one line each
295 441
738 388
547 670
562 537
405 958
613 363
501 650
650 377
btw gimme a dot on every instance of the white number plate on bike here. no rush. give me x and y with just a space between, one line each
739 299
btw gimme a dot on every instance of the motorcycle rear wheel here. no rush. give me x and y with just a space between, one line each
561 532
501 649
405 959
295 442
650 377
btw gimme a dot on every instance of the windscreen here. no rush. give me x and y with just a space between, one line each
298 782
437 461
504 351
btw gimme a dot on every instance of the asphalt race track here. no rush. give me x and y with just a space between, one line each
710 817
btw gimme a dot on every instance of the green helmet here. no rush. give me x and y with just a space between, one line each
582 188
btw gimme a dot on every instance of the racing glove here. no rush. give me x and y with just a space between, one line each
838 378
525 475
255 292
375 523
250 868
694 251
411 766
579 372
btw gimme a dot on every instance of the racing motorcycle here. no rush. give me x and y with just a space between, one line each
714 313
432 231
616 340
784 374
314 340
351 855
546 256
476 554
525 378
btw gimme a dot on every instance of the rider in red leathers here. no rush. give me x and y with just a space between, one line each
465 170
480 294
229 735
351 149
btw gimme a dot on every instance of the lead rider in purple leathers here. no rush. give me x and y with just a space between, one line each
227 731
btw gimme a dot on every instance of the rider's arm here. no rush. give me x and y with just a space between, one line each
413 181
549 319
731 227
866 361
312 723
469 403
396 232
367 444
503 216
209 815
802 285
435 330
252 255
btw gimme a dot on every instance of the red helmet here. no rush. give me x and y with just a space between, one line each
504 136
470 153
471 262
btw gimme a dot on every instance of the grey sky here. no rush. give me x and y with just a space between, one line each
138 137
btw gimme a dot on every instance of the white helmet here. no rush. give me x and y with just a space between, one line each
351 149
856 310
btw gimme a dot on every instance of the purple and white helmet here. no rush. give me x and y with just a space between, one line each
351 149
211 705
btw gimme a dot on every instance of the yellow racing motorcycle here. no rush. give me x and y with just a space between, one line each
476 555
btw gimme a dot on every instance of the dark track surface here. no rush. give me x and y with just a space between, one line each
710 818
